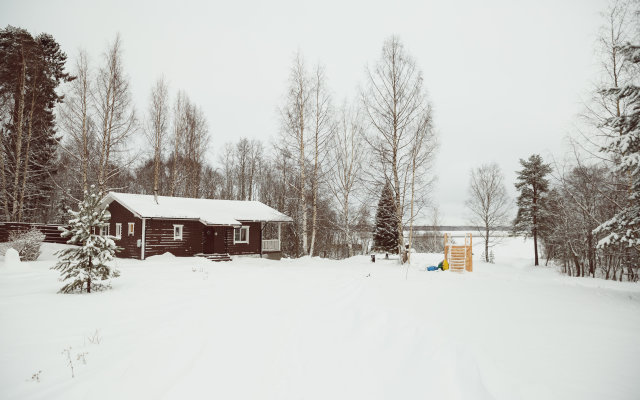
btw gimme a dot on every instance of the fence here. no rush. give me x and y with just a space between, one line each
51 231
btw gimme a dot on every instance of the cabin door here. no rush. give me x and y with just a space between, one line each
213 240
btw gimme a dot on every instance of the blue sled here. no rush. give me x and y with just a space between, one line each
432 268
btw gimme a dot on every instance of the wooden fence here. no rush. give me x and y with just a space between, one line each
51 231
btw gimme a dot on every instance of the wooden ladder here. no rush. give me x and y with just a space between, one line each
459 257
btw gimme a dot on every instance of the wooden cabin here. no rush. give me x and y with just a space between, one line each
144 226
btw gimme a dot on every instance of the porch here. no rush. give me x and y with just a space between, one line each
271 237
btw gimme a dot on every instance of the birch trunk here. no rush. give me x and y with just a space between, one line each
303 199
25 172
20 123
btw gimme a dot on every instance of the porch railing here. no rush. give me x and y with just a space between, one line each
271 245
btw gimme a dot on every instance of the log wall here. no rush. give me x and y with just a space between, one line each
255 240
159 237
51 231
128 243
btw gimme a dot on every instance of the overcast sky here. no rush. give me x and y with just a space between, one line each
506 78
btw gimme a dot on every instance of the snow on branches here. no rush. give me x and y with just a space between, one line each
624 228
84 266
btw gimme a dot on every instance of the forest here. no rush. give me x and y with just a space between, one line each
353 174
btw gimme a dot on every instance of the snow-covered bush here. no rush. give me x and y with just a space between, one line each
27 243
84 266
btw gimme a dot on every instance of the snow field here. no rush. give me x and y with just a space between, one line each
317 329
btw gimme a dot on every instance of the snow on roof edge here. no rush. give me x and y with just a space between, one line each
207 211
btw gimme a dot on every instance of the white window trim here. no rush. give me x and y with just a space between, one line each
118 230
178 228
241 229
131 228
104 230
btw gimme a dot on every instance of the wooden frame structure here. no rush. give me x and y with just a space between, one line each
459 257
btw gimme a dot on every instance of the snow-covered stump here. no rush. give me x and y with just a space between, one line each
11 258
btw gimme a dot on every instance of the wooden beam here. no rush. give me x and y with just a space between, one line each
144 237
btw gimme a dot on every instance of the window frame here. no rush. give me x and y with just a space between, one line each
131 228
118 230
178 227
104 229
240 229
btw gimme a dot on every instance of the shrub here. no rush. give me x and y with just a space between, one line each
26 243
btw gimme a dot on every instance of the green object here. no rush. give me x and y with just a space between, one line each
444 265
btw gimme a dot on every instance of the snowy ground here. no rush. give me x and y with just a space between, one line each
313 329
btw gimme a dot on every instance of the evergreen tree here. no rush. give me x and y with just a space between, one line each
385 236
31 69
85 264
532 184
624 228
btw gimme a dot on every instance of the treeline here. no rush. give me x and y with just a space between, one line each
589 212
583 212
325 166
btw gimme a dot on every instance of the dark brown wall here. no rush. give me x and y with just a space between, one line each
159 237
129 244
255 240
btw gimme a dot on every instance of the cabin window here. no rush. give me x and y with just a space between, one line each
241 235
104 230
118 231
132 226
177 232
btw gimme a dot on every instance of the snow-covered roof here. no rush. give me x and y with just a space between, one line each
207 211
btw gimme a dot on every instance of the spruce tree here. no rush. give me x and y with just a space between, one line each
532 184
84 265
385 236
624 228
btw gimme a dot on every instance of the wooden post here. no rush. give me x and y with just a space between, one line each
469 262
261 237
446 242
144 234
279 236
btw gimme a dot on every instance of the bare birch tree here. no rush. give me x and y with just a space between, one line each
179 128
77 124
346 156
242 155
295 120
227 161
22 89
396 105
196 143
422 152
488 202
323 125
256 162
115 113
157 127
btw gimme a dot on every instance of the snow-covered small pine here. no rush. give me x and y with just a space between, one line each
492 257
84 266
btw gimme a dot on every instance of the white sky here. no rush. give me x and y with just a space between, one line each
506 78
